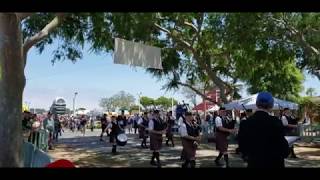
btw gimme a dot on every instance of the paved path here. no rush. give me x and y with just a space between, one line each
88 151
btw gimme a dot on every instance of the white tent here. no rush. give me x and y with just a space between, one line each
250 103
214 108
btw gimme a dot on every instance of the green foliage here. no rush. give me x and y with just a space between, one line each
147 102
161 102
121 100
164 102
225 48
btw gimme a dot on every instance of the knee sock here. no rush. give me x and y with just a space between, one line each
158 157
153 156
114 148
226 159
192 163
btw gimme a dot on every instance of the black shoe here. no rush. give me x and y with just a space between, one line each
159 165
101 139
294 157
218 163
153 163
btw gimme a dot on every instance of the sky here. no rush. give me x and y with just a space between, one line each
93 77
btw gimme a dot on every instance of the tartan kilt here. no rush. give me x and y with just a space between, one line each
155 141
221 142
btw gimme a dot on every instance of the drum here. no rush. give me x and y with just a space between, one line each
122 139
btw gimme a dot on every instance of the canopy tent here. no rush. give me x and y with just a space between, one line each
214 108
203 106
250 103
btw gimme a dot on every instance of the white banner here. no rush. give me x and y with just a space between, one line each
136 54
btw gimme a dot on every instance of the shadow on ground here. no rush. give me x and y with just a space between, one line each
88 151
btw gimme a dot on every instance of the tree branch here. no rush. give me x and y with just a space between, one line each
191 25
196 91
22 16
295 32
183 42
43 33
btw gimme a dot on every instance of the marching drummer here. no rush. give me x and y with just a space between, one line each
190 137
157 127
115 131
143 123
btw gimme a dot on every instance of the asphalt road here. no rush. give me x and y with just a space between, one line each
88 151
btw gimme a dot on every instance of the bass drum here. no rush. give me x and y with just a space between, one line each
122 139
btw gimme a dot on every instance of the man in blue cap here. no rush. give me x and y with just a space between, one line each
262 137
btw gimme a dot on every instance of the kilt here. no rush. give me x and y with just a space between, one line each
169 133
113 138
155 141
221 142
189 150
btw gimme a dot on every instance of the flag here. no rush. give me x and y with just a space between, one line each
136 54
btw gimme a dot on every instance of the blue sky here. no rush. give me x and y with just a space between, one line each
93 77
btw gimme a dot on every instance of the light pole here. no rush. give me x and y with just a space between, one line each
139 94
74 100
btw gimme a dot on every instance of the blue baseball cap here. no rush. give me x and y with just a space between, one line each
265 100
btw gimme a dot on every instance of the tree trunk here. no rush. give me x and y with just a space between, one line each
12 81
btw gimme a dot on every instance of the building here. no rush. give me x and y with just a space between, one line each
206 104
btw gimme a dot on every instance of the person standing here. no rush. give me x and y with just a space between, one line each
156 128
83 123
135 123
170 124
223 130
190 137
104 123
143 123
130 123
57 128
261 137
91 124
291 125
48 124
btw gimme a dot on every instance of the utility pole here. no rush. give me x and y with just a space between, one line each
139 95
74 100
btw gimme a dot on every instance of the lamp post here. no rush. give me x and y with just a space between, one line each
74 100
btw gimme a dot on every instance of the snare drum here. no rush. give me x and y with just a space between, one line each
122 139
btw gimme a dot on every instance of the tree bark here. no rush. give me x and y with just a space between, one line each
12 81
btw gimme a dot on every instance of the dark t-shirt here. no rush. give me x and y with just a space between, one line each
261 139
103 121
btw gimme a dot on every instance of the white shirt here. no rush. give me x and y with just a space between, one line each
139 121
109 126
218 121
183 130
151 125
284 121
180 121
